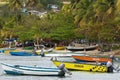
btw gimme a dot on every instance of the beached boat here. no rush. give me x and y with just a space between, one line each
65 54
2 51
90 59
44 50
31 70
92 67
21 53
60 48
85 48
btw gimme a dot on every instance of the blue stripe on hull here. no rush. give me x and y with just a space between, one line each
83 61
12 72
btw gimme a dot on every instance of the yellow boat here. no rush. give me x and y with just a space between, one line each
60 48
82 66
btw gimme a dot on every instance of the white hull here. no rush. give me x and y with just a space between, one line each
49 50
29 70
86 48
63 54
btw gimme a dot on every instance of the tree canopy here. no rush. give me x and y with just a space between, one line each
95 20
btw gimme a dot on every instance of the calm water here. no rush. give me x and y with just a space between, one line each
45 62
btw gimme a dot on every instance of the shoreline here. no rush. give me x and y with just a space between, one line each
116 53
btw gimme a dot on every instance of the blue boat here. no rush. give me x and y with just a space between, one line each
22 53
2 51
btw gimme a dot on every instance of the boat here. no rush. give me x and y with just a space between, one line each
65 54
2 51
32 70
92 67
44 50
21 53
85 48
90 59
60 48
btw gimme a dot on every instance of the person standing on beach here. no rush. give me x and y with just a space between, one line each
42 52
109 65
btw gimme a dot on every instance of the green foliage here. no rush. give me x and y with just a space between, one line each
96 18
92 19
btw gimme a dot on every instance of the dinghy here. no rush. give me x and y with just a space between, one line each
66 54
33 70
86 48
44 50
21 53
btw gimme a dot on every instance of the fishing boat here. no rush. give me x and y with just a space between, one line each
44 50
84 48
32 70
60 48
65 54
92 67
21 53
90 59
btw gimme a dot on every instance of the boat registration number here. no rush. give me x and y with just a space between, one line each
78 66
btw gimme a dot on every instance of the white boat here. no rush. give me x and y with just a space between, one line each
44 50
85 48
67 54
29 70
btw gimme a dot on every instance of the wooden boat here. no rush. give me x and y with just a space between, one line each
67 54
90 59
87 48
92 67
31 70
21 53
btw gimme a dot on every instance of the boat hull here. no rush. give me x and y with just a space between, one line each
45 51
89 48
82 66
63 54
90 59
26 70
60 48
21 53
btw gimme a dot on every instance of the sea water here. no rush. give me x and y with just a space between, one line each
45 62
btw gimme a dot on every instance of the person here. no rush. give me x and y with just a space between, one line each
112 57
42 53
109 65
34 51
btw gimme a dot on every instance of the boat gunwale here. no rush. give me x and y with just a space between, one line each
44 69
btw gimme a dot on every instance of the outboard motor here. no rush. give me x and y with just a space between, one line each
110 67
63 70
